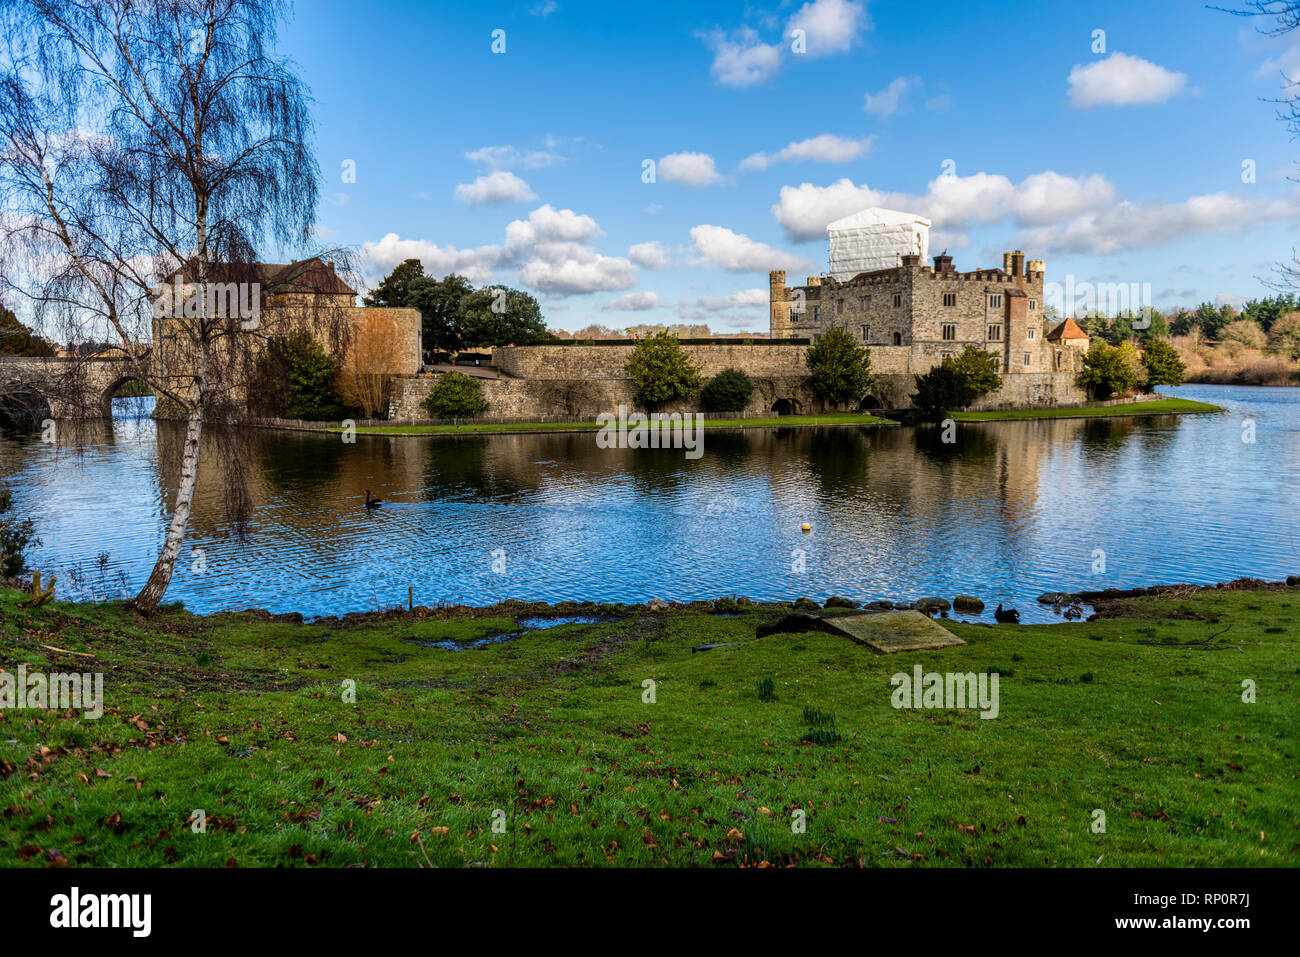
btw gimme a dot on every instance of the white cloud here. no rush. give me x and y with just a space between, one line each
633 302
804 210
499 186
507 157
722 248
950 202
546 224
745 308
1123 80
1129 225
890 100
649 255
550 249
474 264
1048 197
1285 66
737 300
569 268
826 148
741 58
830 26
693 169
551 243
544 9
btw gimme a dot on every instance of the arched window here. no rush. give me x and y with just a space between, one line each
898 338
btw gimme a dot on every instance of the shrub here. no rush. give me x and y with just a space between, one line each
956 382
1162 364
296 380
456 396
840 368
1110 370
767 689
1244 331
15 539
661 370
1284 336
728 391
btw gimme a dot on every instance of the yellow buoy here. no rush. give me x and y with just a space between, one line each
806 528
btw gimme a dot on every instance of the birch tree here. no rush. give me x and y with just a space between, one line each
140 137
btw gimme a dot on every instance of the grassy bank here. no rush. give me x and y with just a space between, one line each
513 428
1138 715
1153 407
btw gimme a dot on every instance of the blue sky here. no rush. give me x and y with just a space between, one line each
526 167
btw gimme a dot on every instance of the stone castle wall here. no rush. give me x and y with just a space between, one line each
608 362
592 386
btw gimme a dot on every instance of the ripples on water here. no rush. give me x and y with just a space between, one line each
1012 510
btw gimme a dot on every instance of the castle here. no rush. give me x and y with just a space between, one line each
913 316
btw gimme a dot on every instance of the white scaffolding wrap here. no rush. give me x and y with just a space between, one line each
875 239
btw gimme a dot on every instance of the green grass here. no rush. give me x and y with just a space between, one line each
246 719
507 428
1154 407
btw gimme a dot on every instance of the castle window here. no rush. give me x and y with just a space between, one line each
950 299
817 313
864 302
866 333
839 307
995 333
1033 304
1032 330
995 301
997 364
898 338
949 331
1028 359
1060 360
945 356
898 299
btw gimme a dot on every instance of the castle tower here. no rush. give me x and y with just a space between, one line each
779 326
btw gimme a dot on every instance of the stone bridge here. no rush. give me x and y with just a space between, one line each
61 388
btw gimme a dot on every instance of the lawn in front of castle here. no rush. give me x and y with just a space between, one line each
612 743
1166 406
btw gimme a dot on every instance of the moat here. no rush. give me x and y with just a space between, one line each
1008 511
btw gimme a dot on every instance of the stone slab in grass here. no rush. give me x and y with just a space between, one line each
884 632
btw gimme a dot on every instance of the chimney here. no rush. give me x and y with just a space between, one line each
814 280
1006 264
1017 263
942 263
912 259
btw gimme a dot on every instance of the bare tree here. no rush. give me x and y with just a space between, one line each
145 139
1285 17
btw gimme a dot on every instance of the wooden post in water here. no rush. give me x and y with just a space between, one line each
410 597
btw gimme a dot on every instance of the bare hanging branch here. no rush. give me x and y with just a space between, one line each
152 140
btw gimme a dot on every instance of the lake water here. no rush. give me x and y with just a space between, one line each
1006 512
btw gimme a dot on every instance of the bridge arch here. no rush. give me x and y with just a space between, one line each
117 389
785 407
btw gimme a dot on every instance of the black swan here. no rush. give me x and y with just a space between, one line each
1008 617
372 502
